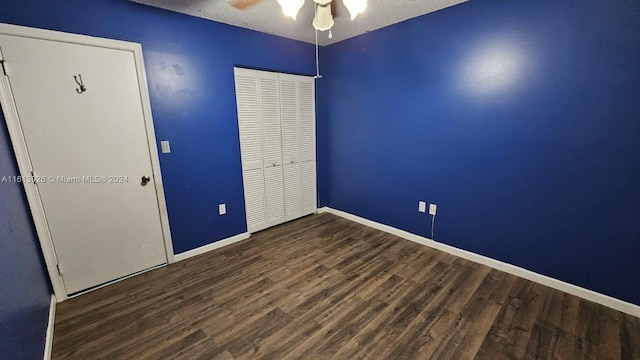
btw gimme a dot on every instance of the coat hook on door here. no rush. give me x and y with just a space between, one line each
82 87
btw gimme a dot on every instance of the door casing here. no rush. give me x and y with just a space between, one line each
22 155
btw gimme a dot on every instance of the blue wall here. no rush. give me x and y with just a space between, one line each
189 63
520 119
24 285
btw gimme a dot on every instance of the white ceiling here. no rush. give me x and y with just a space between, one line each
267 16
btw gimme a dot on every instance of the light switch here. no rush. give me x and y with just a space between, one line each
222 209
165 146
422 206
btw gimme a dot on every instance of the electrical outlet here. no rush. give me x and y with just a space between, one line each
432 209
422 206
222 209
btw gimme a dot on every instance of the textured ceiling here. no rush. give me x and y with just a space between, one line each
267 16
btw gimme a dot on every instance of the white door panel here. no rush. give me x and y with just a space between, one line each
289 101
274 189
93 149
292 191
306 96
254 199
291 145
271 146
248 117
307 125
308 193
270 116
247 101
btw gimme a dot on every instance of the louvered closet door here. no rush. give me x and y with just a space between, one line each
290 145
251 148
271 146
276 117
307 111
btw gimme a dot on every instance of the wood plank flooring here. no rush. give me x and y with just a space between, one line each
323 287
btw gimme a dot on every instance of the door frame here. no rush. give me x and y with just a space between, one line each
22 154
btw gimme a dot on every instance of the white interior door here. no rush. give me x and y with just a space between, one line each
91 151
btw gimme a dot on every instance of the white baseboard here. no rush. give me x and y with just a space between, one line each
587 294
48 345
212 246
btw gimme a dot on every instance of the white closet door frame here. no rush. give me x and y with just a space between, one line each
22 155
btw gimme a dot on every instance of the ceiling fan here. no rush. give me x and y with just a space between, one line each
325 10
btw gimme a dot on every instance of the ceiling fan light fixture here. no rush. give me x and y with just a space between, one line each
323 20
291 7
355 7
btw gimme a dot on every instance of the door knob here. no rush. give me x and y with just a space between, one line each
145 180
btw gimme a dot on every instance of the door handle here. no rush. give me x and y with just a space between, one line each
145 180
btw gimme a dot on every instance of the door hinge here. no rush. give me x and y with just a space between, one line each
3 63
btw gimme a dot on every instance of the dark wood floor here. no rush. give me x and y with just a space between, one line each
325 287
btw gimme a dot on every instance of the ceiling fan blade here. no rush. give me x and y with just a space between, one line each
334 8
244 4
